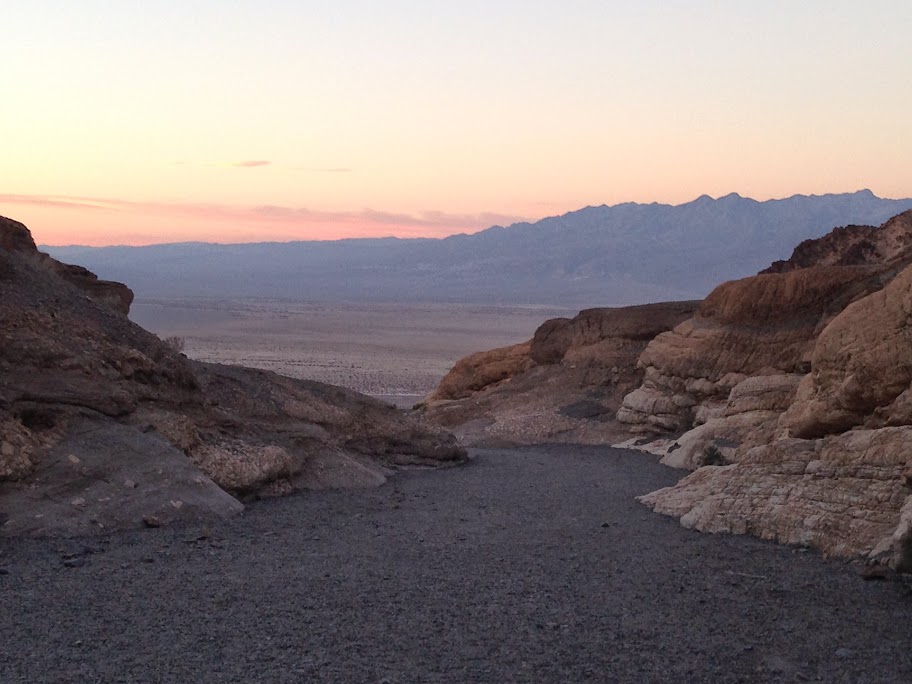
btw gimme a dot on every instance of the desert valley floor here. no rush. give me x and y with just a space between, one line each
399 351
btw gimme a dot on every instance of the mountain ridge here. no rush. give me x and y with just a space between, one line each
621 254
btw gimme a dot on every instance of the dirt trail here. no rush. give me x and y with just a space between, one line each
532 565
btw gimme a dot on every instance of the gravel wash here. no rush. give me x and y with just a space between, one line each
526 565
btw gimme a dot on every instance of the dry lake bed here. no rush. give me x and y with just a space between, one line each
399 351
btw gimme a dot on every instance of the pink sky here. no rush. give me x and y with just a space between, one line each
131 124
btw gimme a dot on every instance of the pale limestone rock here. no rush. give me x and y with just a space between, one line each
652 407
754 403
762 393
842 494
902 539
862 364
764 325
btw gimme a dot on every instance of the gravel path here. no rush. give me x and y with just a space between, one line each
531 565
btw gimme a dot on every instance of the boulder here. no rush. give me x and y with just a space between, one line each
482 370
861 367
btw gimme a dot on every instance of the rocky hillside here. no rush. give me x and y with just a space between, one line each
563 385
789 393
103 425
795 383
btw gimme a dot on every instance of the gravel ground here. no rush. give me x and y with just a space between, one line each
531 565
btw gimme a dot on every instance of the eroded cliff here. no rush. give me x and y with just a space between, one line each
816 424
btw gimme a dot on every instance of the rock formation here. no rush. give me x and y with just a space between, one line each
820 457
789 393
564 385
103 425
852 246
15 237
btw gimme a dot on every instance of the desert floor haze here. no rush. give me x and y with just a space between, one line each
397 351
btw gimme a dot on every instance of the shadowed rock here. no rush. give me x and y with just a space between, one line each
88 400
16 238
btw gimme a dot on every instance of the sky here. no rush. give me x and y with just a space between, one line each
136 122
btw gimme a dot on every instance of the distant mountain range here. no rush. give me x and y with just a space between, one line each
598 256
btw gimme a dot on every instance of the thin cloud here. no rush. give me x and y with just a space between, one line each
360 222
55 201
244 164
322 169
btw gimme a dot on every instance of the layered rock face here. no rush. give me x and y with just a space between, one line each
564 385
844 495
822 458
103 425
764 325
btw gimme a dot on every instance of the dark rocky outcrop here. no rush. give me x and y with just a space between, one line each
103 424
16 238
852 246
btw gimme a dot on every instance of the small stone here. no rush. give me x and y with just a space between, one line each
7 449
73 459
606 524
876 571
78 501
4 571
151 521
74 562
177 504
845 653
129 484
